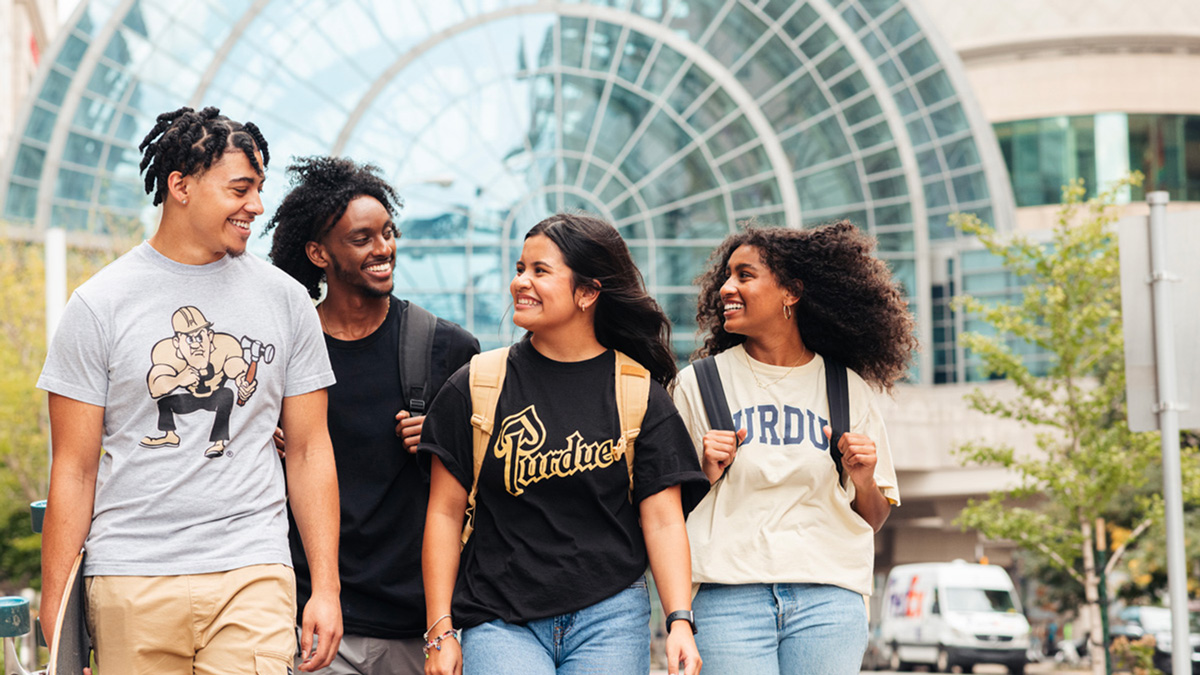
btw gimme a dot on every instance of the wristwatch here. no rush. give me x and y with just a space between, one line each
682 615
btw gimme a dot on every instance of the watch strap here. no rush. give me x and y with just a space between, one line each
682 615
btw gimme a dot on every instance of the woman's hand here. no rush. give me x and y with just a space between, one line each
858 456
720 448
681 646
447 660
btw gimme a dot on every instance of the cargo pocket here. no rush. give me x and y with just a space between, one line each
272 663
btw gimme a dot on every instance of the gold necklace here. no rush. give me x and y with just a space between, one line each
759 382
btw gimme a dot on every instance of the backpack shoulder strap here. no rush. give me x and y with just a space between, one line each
487 372
837 389
633 397
712 394
417 326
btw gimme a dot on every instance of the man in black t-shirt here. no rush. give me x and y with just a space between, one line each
336 226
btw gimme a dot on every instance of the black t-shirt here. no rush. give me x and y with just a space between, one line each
554 528
383 491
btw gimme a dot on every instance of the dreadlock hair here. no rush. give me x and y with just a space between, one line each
627 318
321 189
191 142
850 308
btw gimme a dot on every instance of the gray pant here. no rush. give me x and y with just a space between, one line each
359 655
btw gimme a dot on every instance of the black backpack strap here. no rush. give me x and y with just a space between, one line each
838 390
712 393
417 326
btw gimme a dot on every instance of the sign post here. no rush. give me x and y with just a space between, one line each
1171 243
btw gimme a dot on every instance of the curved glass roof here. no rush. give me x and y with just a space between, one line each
674 119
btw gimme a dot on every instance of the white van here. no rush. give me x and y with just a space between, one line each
952 614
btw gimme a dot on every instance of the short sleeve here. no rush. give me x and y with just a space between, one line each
77 361
869 422
664 455
447 432
308 366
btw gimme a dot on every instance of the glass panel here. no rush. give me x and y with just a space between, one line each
832 187
835 63
934 88
889 187
29 162
918 58
961 153
898 214
820 143
633 58
22 202
55 88
72 53
83 150
736 34
41 124
970 188
899 27
74 185
800 101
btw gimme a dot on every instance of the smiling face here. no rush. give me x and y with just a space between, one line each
360 250
222 203
752 296
543 290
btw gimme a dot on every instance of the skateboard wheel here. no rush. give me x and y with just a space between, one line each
14 617
37 512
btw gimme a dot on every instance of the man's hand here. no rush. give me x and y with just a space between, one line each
279 445
409 428
323 620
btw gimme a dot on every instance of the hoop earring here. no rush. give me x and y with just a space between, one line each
787 311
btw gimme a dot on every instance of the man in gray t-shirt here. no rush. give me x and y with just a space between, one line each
167 376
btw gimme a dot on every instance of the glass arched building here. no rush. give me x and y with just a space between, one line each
674 119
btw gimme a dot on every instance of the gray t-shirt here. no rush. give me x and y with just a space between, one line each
189 482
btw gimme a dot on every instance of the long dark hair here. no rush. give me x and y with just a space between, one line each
627 318
850 308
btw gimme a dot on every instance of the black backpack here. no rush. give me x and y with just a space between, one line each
417 326
716 408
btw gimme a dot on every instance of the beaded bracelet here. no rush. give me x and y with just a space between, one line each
436 643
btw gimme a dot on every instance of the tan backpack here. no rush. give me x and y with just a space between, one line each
487 379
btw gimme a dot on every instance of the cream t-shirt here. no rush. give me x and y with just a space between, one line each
780 514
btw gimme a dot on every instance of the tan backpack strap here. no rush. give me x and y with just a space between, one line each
486 381
633 395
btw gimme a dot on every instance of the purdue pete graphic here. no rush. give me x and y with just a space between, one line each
189 372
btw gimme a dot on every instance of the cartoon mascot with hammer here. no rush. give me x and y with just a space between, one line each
189 372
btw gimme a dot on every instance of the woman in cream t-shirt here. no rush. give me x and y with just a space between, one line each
782 548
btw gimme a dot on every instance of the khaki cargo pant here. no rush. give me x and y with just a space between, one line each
238 622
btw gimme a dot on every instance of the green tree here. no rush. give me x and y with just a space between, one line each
24 425
1087 463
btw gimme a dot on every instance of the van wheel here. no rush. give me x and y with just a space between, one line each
943 664
894 662
1017 669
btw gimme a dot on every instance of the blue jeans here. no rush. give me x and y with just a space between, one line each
780 629
611 637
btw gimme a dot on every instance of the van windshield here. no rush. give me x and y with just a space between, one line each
979 600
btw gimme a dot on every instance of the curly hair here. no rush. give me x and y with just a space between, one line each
191 142
627 318
850 308
321 189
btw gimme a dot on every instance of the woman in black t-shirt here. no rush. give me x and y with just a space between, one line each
552 577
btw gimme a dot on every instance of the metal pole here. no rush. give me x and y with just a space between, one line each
1168 424
1101 541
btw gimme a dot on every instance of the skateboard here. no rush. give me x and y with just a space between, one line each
72 645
